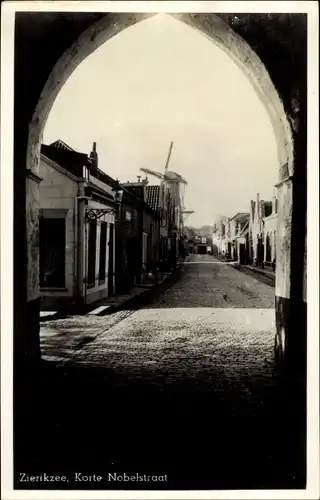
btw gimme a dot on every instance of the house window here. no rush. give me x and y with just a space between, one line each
52 236
103 251
92 242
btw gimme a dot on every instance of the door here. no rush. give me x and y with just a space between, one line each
242 253
111 261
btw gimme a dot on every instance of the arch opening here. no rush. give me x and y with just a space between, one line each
223 36
218 32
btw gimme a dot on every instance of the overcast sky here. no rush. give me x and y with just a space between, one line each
158 81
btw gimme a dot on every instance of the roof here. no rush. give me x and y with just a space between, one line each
137 188
70 160
99 191
245 228
62 145
153 197
103 177
240 216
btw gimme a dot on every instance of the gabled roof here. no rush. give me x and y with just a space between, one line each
245 229
70 160
153 197
62 145
103 177
240 216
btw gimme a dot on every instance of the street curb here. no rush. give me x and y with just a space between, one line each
131 302
222 260
258 271
242 268
134 302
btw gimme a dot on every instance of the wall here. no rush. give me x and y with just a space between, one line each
57 193
152 228
98 291
32 224
255 226
283 237
270 227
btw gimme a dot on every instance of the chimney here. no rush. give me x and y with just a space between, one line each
94 160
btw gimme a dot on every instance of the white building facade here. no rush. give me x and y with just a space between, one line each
77 243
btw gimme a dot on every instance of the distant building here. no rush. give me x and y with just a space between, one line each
269 232
137 237
259 210
219 239
189 235
160 199
199 245
237 228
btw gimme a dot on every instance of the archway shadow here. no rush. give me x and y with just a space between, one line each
205 427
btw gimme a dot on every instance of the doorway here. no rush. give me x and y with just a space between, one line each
111 261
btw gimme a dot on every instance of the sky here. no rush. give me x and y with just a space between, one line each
161 81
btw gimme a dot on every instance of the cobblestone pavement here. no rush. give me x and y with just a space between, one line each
61 339
184 386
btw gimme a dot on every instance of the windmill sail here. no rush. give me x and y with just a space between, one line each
168 158
152 172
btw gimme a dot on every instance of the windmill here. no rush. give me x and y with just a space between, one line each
171 179
185 214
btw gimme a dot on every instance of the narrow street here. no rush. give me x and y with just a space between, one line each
185 386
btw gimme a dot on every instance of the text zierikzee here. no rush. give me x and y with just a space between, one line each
47 478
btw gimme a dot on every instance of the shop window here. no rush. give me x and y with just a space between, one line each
103 251
52 236
92 245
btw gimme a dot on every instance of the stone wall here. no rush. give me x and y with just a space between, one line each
283 239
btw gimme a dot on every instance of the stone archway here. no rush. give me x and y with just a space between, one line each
220 33
217 31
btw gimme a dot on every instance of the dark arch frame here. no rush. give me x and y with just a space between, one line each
272 49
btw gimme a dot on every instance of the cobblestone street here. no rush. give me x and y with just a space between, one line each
185 385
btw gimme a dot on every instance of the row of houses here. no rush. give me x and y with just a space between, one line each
249 237
99 237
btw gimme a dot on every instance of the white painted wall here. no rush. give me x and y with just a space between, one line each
270 227
57 192
98 289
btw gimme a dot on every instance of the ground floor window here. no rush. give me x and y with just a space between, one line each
52 236
103 251
92 242
111 261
